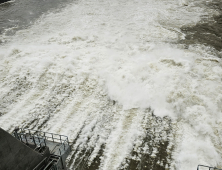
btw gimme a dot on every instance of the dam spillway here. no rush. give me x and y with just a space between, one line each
132 83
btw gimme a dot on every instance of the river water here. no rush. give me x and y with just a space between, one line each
133 84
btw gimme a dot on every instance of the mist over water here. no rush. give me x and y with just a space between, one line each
115 78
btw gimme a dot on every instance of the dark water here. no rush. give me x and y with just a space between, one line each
208 32
3 1
19 14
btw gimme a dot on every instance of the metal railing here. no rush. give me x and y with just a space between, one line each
41 164
62 139
39 139
44 163
49 164
210 168
63 145
49 136
36 140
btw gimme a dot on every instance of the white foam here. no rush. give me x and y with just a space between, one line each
78 61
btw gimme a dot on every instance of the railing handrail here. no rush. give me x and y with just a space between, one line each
208 167
43 132
40 163
33 135
63 140
43 137
48 164
30 131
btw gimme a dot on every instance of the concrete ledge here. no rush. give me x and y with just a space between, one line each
16 155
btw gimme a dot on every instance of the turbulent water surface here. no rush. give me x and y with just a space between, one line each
135 84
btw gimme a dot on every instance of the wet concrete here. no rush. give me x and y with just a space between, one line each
16 155
209 32
148 162
154 153
81 163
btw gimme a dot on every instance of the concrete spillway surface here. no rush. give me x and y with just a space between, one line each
16 155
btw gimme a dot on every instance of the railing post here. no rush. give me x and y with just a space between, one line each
52 137
33 140
26 139
19 137
39 141
61 157
16 132
60 139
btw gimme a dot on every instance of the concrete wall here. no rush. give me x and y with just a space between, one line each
14 155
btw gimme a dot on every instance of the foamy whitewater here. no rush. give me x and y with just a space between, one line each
98 70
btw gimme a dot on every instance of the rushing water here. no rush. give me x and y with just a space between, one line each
120 78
